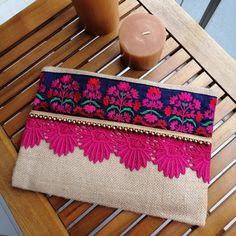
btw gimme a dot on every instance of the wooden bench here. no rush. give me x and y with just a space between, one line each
49 33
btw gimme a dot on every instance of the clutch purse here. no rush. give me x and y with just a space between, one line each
119 142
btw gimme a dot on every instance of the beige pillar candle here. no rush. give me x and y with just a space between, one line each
98 16
142 37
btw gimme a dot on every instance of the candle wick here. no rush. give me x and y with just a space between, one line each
146 32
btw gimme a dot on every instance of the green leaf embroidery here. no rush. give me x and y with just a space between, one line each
145 112
208 123
39 96
112 107
175 118
184 104
96 104
55 99
190 121
127 109
69 101
155 112
93 102
85 102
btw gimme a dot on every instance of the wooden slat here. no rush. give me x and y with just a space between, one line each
225 106
16 139
103 58
57 202
223 158
19 101
31 210
174 228
218 91
203 80
28 20
225 131
197 42
91 221
39 36
18 121
231 231
43 50
168 66
74 210
146 226
29 77
118 224
218 219
225 183
185 73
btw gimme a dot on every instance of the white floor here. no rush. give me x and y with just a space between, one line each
9 8
222 25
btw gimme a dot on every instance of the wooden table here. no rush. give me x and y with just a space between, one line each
48 33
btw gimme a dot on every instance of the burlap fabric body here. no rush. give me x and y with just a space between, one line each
110 184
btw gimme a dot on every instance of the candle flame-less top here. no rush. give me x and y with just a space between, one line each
142 34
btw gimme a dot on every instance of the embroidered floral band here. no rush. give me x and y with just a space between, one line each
127 101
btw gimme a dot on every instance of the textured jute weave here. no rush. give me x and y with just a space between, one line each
110 184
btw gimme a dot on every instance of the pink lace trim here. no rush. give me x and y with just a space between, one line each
171 156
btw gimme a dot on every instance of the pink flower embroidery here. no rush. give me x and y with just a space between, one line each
63 94
167 111
92 95
183 112
171 157
185 97
201 131
186 128
33 133
123 86
208 119
200 155
62 137
36 101
93 84
89 108
42 88
66 79
161 124
55 83
121 102
154 93
97 143
134 150
212 104
111 90
151 114
150 118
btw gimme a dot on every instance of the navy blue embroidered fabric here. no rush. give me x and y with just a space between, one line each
125 101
